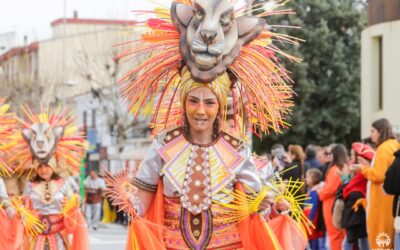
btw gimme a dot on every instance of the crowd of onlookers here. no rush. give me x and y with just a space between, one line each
352 203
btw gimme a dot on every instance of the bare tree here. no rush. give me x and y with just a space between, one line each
101 71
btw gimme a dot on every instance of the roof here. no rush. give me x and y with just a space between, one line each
19 51
91 21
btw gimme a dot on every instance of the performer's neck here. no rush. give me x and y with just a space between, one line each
201 138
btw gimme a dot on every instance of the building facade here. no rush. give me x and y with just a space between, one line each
77 67
380 60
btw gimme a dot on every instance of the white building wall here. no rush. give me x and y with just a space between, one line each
390 33
86 55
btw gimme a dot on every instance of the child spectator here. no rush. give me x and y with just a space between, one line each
313 210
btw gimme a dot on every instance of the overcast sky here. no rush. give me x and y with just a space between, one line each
33 17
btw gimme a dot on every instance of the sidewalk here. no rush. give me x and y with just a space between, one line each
108 237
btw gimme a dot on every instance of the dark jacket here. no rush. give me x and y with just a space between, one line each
295 171
354 222
391 185
311 163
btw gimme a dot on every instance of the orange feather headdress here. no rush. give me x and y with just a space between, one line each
262 82
70 148
7 123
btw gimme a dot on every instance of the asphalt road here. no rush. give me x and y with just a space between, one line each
108 237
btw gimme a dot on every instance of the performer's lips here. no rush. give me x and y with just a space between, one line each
200 120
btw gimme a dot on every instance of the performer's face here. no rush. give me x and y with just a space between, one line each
202 108
45 172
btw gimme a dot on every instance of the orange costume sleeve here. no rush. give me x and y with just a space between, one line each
288 232
11 231
146 234
75 224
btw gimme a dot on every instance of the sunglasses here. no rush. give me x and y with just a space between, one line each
327 153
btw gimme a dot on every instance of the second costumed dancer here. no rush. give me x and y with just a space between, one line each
49 147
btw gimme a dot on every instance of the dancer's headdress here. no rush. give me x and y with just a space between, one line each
50 137
7 123
203 42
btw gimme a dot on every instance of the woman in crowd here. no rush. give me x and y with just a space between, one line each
379 219
354 193
333 181
295 169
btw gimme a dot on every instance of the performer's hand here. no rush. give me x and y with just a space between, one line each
136 204
282 205
267 202
10 212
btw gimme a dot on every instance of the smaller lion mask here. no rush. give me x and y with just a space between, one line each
42 140
211 38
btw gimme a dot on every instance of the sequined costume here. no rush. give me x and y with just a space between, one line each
46 199
193 177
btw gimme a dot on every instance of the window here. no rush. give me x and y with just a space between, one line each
380 73
377 73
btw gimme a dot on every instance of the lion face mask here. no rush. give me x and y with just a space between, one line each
211 38
42 140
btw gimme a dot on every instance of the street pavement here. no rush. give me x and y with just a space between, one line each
108 237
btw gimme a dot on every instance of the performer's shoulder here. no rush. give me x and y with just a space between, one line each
233 141
168 135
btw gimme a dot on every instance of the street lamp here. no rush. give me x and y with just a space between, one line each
68 83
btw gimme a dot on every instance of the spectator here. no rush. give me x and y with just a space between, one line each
294 168
94 187
327 194
391 185
278 158
313 210
354 216
311 160
324 156
379 220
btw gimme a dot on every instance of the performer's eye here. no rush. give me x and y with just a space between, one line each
211 103
198 15
192 101
48 133
225 20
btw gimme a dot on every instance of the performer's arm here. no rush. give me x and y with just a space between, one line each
146 180
248 174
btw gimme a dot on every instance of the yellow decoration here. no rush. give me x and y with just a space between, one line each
31 223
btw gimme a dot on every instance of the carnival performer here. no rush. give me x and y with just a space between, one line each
198 186
10 223
49 146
